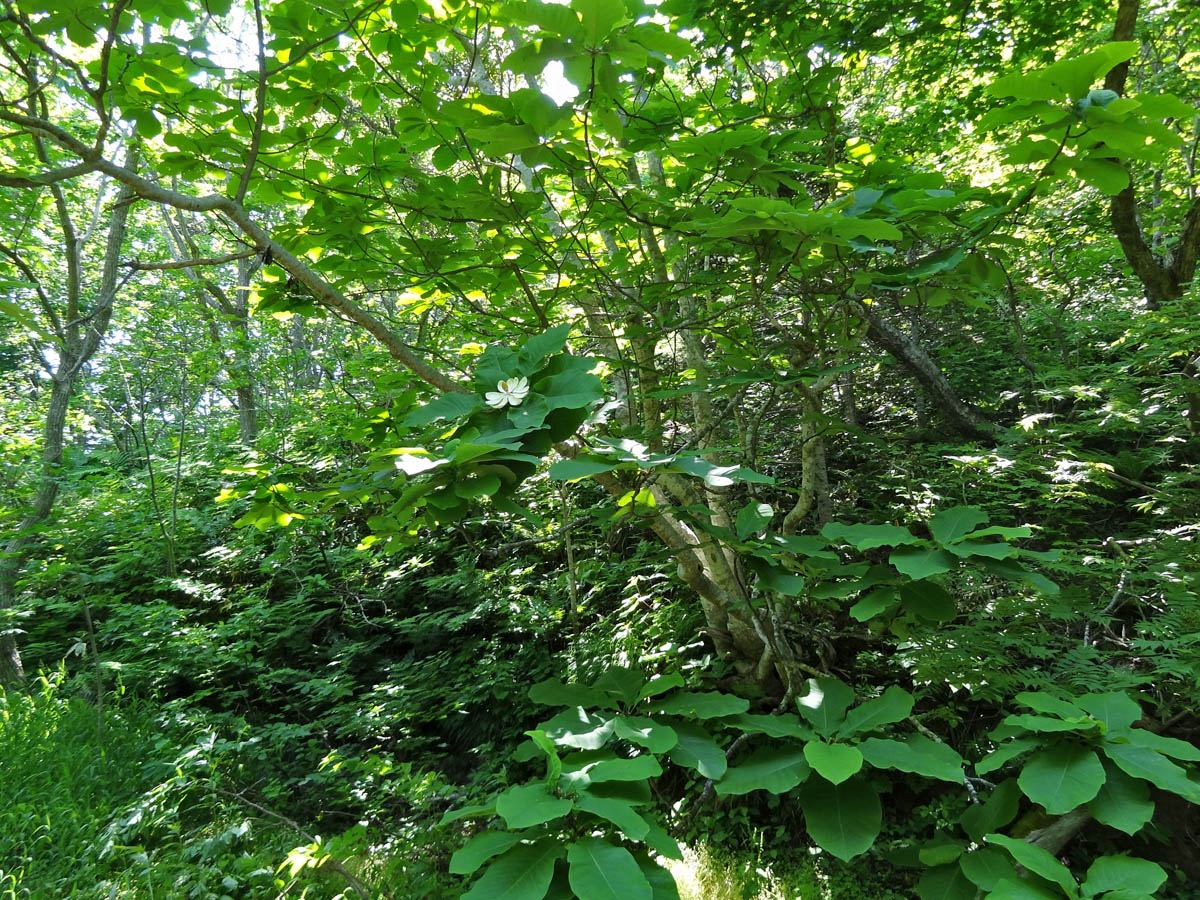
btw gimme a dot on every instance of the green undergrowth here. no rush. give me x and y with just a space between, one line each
713 872
125 803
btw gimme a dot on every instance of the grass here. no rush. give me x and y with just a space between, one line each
119 806
63 771
131 804
708 873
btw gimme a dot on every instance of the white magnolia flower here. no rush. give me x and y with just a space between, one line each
509 392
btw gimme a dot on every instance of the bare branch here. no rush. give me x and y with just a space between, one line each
43 179
260 102
188 263
32 278
324 292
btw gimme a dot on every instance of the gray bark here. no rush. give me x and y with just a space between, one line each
82 339
965 418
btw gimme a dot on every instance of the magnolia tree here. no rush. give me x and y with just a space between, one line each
661 233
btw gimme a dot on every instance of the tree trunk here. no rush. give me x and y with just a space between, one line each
12 673
847 395
77 348
242 370
965 418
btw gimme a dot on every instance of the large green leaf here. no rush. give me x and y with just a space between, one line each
523 873
602 871
990 549
1048 725
530 804
868 537
619 812
495 363
20 316
623 682
701 705
1141 762
660 684
922 563
941 850
774 769
1038 861
599 18
662 882
654 38
945 883
636 793
697 750
662 843
1003 531
530 414
984 867
1108 177
751 518
479 849
917 754
1069 77
580 467
1039 701
1123 873
538 347
995 812
950 525
1062 777
1123 802
576 727
780 726
1010 568
636 768
1115 709
655 737
894 705
833 762
776 578
1167 746
843 819
548 17
929 600
468 812
873 603
553 762
574 387
447 406
553 692
1003 754
825 703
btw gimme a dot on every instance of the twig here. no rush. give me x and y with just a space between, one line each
332 862
516 545
1116 547
187 263
729 754
968 782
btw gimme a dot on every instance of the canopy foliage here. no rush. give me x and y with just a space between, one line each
497 446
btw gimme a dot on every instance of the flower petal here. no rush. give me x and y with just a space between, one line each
496 400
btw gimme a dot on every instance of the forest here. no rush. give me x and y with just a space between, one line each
599 449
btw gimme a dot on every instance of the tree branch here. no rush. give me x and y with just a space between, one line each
260 100
42 179
138 266
324 292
